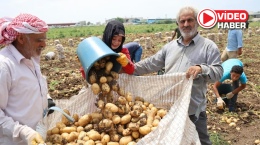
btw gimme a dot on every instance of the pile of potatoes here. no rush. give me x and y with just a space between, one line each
120 119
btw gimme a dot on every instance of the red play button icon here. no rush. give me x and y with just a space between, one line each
207 18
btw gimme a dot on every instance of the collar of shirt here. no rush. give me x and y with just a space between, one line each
193 41
19 57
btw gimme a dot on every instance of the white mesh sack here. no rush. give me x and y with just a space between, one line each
171 91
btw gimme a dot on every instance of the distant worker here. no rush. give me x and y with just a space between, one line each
176 31
135 50
234 44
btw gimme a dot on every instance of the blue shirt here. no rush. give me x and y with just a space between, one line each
235 39
227 66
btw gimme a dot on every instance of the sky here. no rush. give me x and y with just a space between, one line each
72 11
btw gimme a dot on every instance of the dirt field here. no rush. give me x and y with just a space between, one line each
65 80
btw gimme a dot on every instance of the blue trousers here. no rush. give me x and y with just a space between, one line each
137 54
201 127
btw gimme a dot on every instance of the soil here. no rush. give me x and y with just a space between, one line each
65 80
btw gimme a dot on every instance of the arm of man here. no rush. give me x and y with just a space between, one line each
129 68
215 88
9 128
237 90
239 41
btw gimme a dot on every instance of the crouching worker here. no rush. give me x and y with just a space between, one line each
23 89
233 70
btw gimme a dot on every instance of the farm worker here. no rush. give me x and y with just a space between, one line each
199 57
23 89
50 55
135 50
234 44
114 37
176 31
233 70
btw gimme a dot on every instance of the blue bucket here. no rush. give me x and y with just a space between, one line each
92 49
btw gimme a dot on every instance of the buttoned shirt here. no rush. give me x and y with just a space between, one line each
23 94
177 57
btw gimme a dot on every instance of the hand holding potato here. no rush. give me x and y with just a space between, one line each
122 59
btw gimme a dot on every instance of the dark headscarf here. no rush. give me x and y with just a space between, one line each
113 28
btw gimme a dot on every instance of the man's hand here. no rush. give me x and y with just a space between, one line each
193 71
50 104
220 103
36 139
30 136
229 95
122 59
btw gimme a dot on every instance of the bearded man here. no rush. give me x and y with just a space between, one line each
194 55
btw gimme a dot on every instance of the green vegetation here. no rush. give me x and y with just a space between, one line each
87 31
216 139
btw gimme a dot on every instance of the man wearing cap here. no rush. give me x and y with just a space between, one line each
23 89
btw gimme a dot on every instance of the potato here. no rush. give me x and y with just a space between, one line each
155 122
82 134
100 104
60 125
105 88
116 119
55 130
103 79
122 100
68 129
76 117
111 107
135 134
93 78
132 143
72 137
109 66
144 130
93 135
89 142
84 120
114 74
129 97
105 139
95 88
126 119
161 112
80 128
112 143
127 132
125 140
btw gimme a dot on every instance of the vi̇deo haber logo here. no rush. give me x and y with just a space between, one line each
225 19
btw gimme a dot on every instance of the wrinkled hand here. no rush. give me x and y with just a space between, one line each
122 59
50 104
220 103
193 71
229 95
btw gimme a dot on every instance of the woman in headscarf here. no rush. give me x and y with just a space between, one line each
114 37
